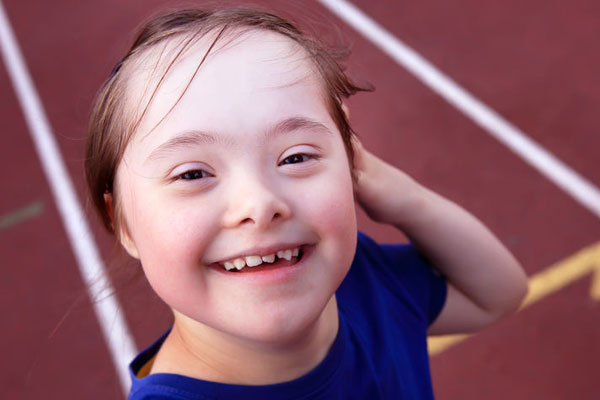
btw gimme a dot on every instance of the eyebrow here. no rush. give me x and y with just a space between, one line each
196 137
183 140
294 124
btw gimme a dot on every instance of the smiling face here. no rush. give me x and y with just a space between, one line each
248 163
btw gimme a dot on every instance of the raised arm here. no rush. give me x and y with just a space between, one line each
485 282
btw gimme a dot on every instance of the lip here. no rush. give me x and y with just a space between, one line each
269 275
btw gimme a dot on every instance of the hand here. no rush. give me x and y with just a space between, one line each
485 280
385 193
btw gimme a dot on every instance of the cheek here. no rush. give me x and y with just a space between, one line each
171 247
334 219
336 195
174 234
169 234
330 207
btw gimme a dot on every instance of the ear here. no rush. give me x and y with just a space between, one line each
123 233
346 110
108 203
128 244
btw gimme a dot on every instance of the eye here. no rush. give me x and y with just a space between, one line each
295 159
193 175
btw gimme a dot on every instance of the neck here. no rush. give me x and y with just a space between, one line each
204 353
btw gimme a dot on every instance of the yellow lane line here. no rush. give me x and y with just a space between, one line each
543 284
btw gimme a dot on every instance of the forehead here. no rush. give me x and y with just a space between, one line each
240 67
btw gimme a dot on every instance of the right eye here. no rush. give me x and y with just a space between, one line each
193 174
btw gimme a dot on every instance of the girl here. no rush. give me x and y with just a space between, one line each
220 155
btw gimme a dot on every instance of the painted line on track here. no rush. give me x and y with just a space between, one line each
584 263
23 214
578 187
112 322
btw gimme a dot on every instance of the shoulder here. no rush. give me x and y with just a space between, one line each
401 257
395 274
157 386
396 265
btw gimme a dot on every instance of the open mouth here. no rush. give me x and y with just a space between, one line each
256 263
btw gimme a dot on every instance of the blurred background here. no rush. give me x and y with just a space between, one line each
527 69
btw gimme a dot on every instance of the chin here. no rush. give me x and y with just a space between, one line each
282 327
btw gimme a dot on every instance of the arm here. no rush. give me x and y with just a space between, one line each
485 281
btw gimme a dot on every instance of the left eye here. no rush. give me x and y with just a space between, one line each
295 159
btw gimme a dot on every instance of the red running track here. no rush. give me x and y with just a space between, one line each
534 62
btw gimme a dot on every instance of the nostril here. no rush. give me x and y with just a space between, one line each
277 216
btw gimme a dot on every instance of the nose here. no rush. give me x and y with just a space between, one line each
255 202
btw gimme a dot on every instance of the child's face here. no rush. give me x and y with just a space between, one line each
248 163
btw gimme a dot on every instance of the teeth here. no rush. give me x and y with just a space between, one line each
269 259
253 261
239 263
287 254
229 265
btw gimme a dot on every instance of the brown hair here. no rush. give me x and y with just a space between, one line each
111 128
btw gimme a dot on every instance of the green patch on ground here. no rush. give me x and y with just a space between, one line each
16 217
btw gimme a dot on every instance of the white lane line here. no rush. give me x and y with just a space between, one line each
108 311
578 187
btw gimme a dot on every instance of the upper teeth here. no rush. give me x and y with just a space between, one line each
253 261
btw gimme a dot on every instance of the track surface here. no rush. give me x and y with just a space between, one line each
533 62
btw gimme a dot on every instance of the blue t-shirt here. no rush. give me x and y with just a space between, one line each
385 304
